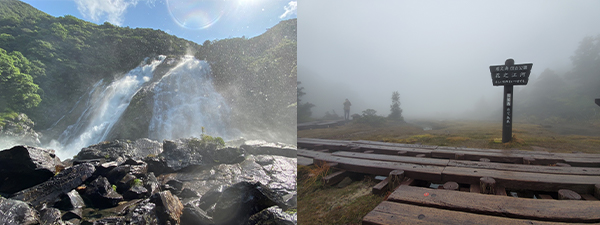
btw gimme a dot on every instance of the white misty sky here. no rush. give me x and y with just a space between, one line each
435 53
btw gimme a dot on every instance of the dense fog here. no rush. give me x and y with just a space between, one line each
437 54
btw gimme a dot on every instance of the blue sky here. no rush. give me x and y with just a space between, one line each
195 20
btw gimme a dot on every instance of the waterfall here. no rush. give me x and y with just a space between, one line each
185 102
104 107
185 105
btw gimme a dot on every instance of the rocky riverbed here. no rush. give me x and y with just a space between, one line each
183 181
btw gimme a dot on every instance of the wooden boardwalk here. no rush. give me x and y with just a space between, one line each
445 185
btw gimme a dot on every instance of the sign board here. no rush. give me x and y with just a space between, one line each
510 75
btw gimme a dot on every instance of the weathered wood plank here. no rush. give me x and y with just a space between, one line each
392 150
335 177
311 154
392 213
395 144
381 187
526 208
304 161
503 157
422 172
393 158
523 180
527 168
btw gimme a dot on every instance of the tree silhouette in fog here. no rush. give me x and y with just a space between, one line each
304 112
396 111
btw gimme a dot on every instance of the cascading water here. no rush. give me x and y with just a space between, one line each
104 108
185 103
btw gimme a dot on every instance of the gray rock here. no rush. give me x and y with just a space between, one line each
273 216
49 191
17 212
101 193
193 215
20 130
135 192
238 202
73 204
144 213
168 207
151 184
50 216
25 166
126 149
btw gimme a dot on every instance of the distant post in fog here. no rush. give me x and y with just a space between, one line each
508 75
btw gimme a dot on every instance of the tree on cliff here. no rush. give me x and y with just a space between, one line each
17 90
304 112
396 111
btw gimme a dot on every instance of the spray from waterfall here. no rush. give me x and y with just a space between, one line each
105 105
185 104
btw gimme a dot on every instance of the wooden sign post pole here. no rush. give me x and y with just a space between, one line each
508 75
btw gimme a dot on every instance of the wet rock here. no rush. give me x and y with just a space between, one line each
113 220
144 213
17 212
226 155
209 199
273 216
188 193
20 130
50 216
168 207
25 166
193 215
177 155
95 162
135 192
128 149
174 186
151 184
73 204
125 183
270 149
138 168
101 193
116 174
103 168
240 201
49 191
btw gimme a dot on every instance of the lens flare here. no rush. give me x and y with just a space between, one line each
198 14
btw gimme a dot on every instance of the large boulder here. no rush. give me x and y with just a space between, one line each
111 150
73 204
168 207
17 212
102 194
273 216
242 200
48 192
25 166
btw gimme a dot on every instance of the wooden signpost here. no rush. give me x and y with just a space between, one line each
508 75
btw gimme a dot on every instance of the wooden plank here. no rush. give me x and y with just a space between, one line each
391 150
422 172
527 168
311 154
393 158
523 180
535 209
475 188
500 190
381 187
392 213
526 152
335 177
402 145
304 161
504 157
543 196
588 197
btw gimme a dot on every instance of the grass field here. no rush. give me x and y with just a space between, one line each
320 204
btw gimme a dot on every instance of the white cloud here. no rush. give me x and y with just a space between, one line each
109 10
290 9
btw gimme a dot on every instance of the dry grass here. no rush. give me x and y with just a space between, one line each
473 134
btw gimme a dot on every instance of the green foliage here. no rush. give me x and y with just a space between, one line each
331 116
370 117
136 182
205 141
18 90
114 187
